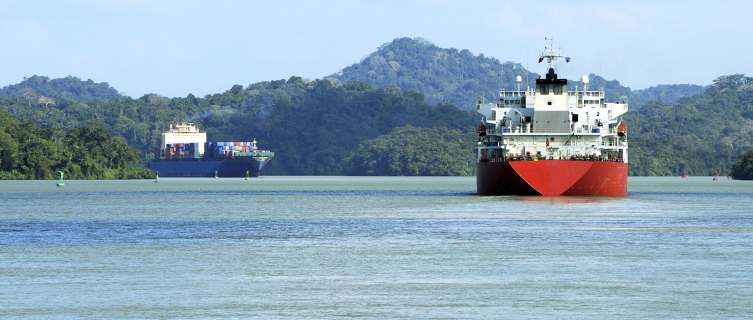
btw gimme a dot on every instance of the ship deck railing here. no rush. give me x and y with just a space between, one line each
602 145
254 153
593 131
581 93
573 158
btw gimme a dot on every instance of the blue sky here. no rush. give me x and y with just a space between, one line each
174 48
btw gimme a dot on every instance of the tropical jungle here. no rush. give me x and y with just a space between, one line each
405 109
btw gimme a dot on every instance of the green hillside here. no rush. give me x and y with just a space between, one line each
87 152
700 134
39 87
458 76
311 125
442 75
335 126
410 151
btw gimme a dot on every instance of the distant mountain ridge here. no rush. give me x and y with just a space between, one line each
699 134
681 127
67 88
442 75
458 76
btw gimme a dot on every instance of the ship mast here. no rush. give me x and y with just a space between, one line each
551 54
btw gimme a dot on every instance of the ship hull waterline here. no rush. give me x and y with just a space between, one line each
233 167
552 178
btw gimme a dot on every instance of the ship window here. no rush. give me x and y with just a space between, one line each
575 117
544 89
517 101
558 90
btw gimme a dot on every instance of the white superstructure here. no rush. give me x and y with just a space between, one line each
552 121
184 133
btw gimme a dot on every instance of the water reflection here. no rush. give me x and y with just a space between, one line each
562 200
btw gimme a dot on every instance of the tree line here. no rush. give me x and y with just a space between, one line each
699 134
320 127
28 151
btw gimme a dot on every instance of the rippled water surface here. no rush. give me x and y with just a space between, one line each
373 247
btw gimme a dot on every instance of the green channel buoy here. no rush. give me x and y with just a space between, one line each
157 180
215 174
60 181
246 175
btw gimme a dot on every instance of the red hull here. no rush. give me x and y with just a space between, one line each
552 178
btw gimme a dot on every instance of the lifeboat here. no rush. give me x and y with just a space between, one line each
622 130
481 130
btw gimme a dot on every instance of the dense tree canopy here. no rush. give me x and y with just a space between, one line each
614 91
743 168
700 135
314 126
311 125
87 152
442 75
323 127
411 151
458 76
666 93
70 87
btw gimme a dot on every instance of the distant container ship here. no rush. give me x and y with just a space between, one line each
185 152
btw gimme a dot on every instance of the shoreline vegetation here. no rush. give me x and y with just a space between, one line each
28 152
408 94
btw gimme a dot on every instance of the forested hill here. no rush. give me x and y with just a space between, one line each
312 126
321 128
458 76
40 87
335 126
667 93
442 75
700 134
86 152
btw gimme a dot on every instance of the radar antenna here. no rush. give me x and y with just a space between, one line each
551 54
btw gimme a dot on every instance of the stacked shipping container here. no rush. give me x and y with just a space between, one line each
225 149
211 150
181 151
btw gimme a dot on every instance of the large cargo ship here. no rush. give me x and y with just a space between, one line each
552 141
185 152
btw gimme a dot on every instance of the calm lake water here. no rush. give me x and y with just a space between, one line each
373 247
